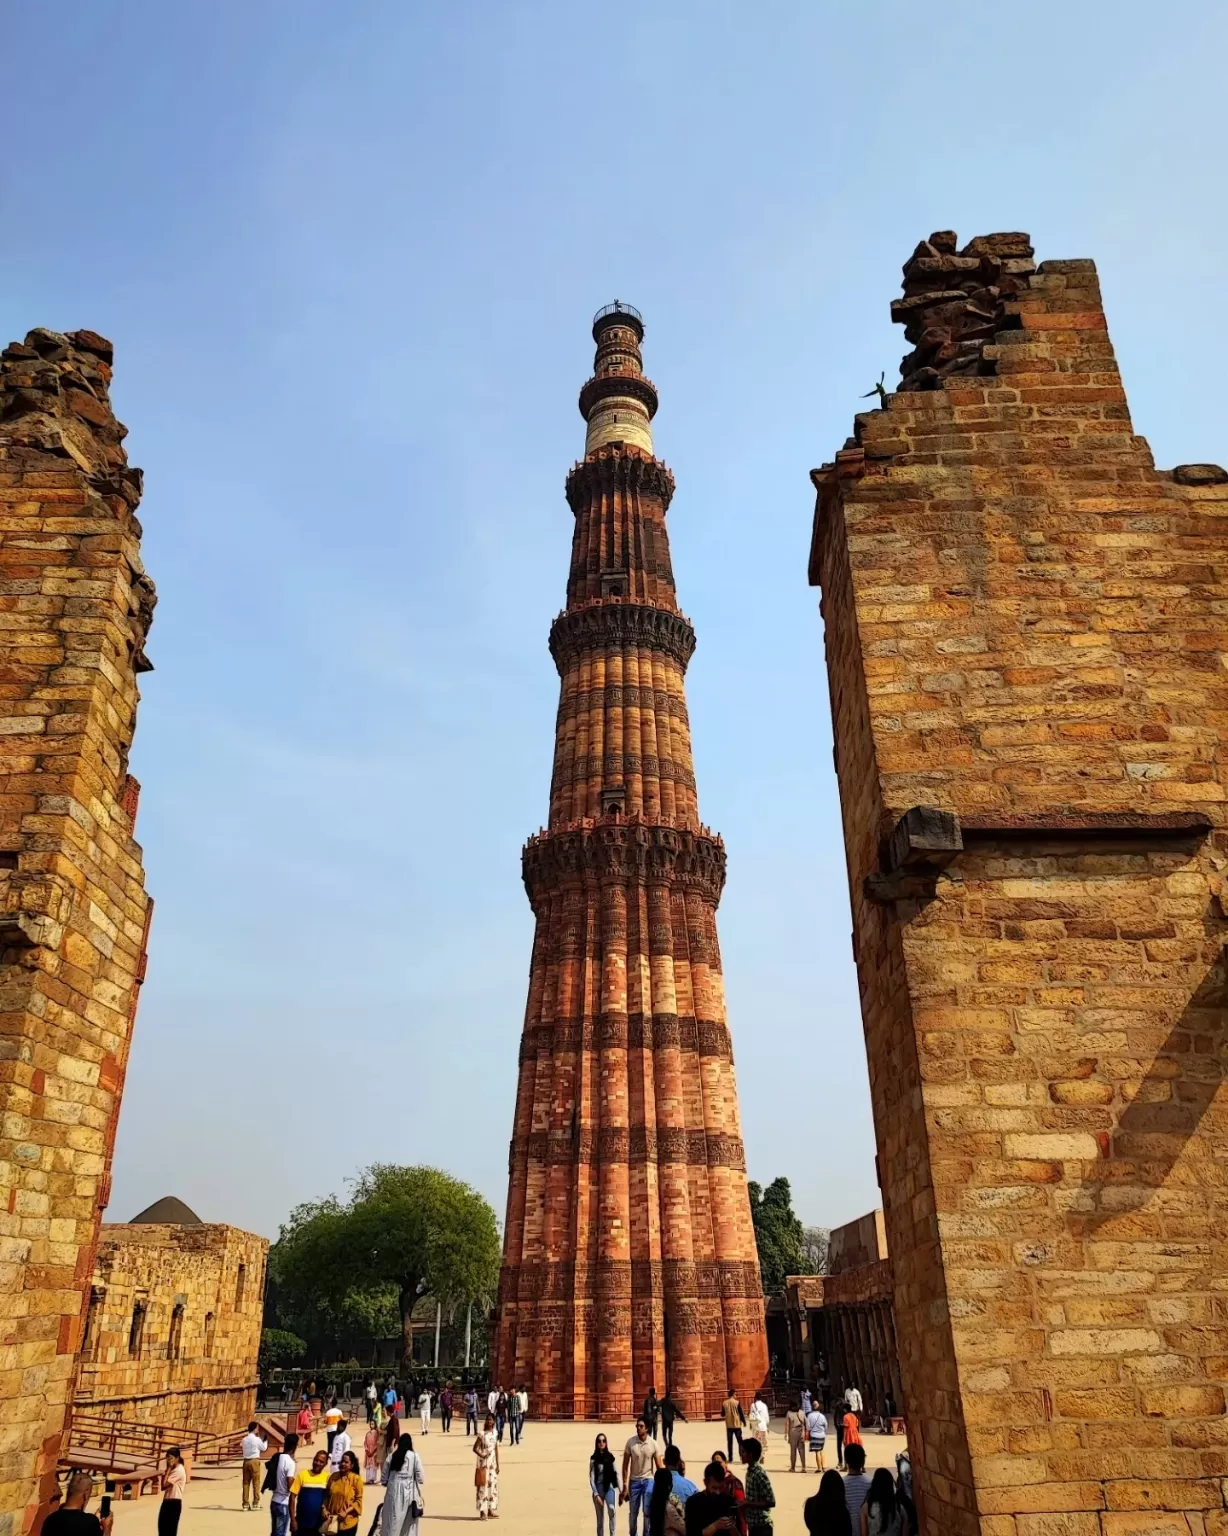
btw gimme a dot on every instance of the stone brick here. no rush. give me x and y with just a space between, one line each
1021 619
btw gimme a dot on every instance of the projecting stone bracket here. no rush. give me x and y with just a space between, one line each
921 845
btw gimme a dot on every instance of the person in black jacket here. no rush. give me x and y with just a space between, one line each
669 1412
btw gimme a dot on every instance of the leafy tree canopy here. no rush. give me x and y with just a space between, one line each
404 1233
278 1346
778 1234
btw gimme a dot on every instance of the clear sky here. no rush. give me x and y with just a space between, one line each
348 254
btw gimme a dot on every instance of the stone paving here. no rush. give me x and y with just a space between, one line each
543 1484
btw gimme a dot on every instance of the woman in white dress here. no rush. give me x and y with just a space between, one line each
403 1476
486 1473
757 1422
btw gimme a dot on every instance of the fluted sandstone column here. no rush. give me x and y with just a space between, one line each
629 1257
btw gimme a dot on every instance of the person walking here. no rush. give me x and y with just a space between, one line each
735 1422
652 1410
471 1411
501 1413
604 1483
445 1408
522 1411
341 1444
853 1398
827 1513
759 1422
404 1477
308 1492
856 1483
838 1413
760 1498
392 1434
816 1435
641 1458
795 1434
370 1397
174 1481
343 1506
252 1448
278 1479
306 1423
806 1400
883 1513
669 1412
486 1473
332 1423
390 1397
424 1410
851 1425
372 1460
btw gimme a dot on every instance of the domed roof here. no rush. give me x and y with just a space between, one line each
170 1211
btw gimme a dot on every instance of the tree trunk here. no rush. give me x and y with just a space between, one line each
409 1295
468 1333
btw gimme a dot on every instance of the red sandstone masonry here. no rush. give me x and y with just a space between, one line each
629 1256
75 606
1024 627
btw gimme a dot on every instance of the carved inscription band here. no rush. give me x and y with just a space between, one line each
634 1031
636 1144
567 1280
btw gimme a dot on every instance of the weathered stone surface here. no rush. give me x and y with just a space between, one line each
200 1291
1025 628
629 1256
76 606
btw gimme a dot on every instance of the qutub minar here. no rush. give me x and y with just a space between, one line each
629 1257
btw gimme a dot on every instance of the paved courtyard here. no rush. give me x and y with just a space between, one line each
543 1486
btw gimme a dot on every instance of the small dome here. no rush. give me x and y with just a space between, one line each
169 1212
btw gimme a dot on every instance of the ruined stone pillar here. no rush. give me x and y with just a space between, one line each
74 916
1024 633
629 1256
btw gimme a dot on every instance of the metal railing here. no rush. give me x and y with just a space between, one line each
618 308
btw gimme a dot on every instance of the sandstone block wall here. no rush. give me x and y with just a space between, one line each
75 605
200 1291
1026 636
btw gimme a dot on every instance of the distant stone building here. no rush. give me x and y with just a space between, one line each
841 1325
173 1323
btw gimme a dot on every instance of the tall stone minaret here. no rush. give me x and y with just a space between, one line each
629 1258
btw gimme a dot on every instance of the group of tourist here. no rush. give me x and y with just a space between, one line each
653 1482
806 1427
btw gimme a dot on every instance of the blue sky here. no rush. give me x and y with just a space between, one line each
348 254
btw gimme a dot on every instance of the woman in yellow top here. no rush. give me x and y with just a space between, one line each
343 1507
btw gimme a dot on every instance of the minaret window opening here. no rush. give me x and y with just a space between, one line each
614 800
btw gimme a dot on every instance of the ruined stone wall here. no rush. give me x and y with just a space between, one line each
857 1243
75 604
192 1360
1025 635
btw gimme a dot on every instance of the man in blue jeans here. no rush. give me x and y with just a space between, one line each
641 1460
279 1504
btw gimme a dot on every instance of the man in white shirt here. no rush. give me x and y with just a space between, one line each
853 1398
252 1449
641 1459
280 1499
341 1444
492 1399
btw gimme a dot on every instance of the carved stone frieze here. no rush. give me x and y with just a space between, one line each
632 854
616 625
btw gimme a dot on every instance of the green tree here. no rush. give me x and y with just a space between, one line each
280 1347
778 1233
404 1233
